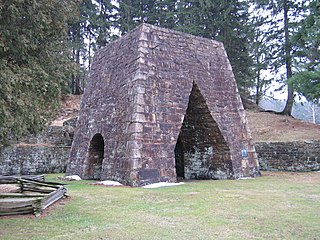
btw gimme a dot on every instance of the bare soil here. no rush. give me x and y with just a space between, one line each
267 126
8 188
264 126
70 105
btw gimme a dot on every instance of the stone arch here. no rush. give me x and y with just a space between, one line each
201 151
95 157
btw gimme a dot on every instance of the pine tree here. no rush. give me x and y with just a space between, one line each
104 22
307 53
34 62
288 57
259 51
282 24
156 12
79 30
88 32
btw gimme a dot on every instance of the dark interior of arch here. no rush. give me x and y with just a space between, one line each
95 157
201 151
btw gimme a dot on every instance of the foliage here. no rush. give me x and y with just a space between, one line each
307 54
279 25
88 32
158 12
34 63
259 51
274 206
254 45
293 39
308 84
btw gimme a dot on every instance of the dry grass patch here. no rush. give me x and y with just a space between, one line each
267 126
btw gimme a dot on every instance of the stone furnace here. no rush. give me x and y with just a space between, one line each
161 105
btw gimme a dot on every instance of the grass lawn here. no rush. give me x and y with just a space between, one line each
274 206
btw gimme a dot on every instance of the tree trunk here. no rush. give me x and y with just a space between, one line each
287 48
289 104
76 79
258 82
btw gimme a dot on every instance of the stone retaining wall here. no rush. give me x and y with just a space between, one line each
47 152
36 158
289 156
27 160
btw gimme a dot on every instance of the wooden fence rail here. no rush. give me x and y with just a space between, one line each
35 195
13 179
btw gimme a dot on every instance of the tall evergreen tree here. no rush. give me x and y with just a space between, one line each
79 30
156 12
89 31
104 22
287 56
283 19
34 62
307 53
259 51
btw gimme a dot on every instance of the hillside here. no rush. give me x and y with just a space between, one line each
303 110
70 105
264 126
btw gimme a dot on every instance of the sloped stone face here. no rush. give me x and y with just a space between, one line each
137 99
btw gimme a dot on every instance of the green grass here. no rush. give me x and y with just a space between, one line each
275 206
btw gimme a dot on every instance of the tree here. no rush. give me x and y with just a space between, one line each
79 30
155 12
259 50
283 20
104 22
90 30
34 62
307 53
288 58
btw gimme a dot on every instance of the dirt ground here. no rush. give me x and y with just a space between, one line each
70 105
8 188
264 126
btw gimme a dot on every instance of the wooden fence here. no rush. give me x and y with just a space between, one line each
34 195
13 179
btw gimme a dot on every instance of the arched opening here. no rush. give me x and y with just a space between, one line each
179 156
201 151
95 157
